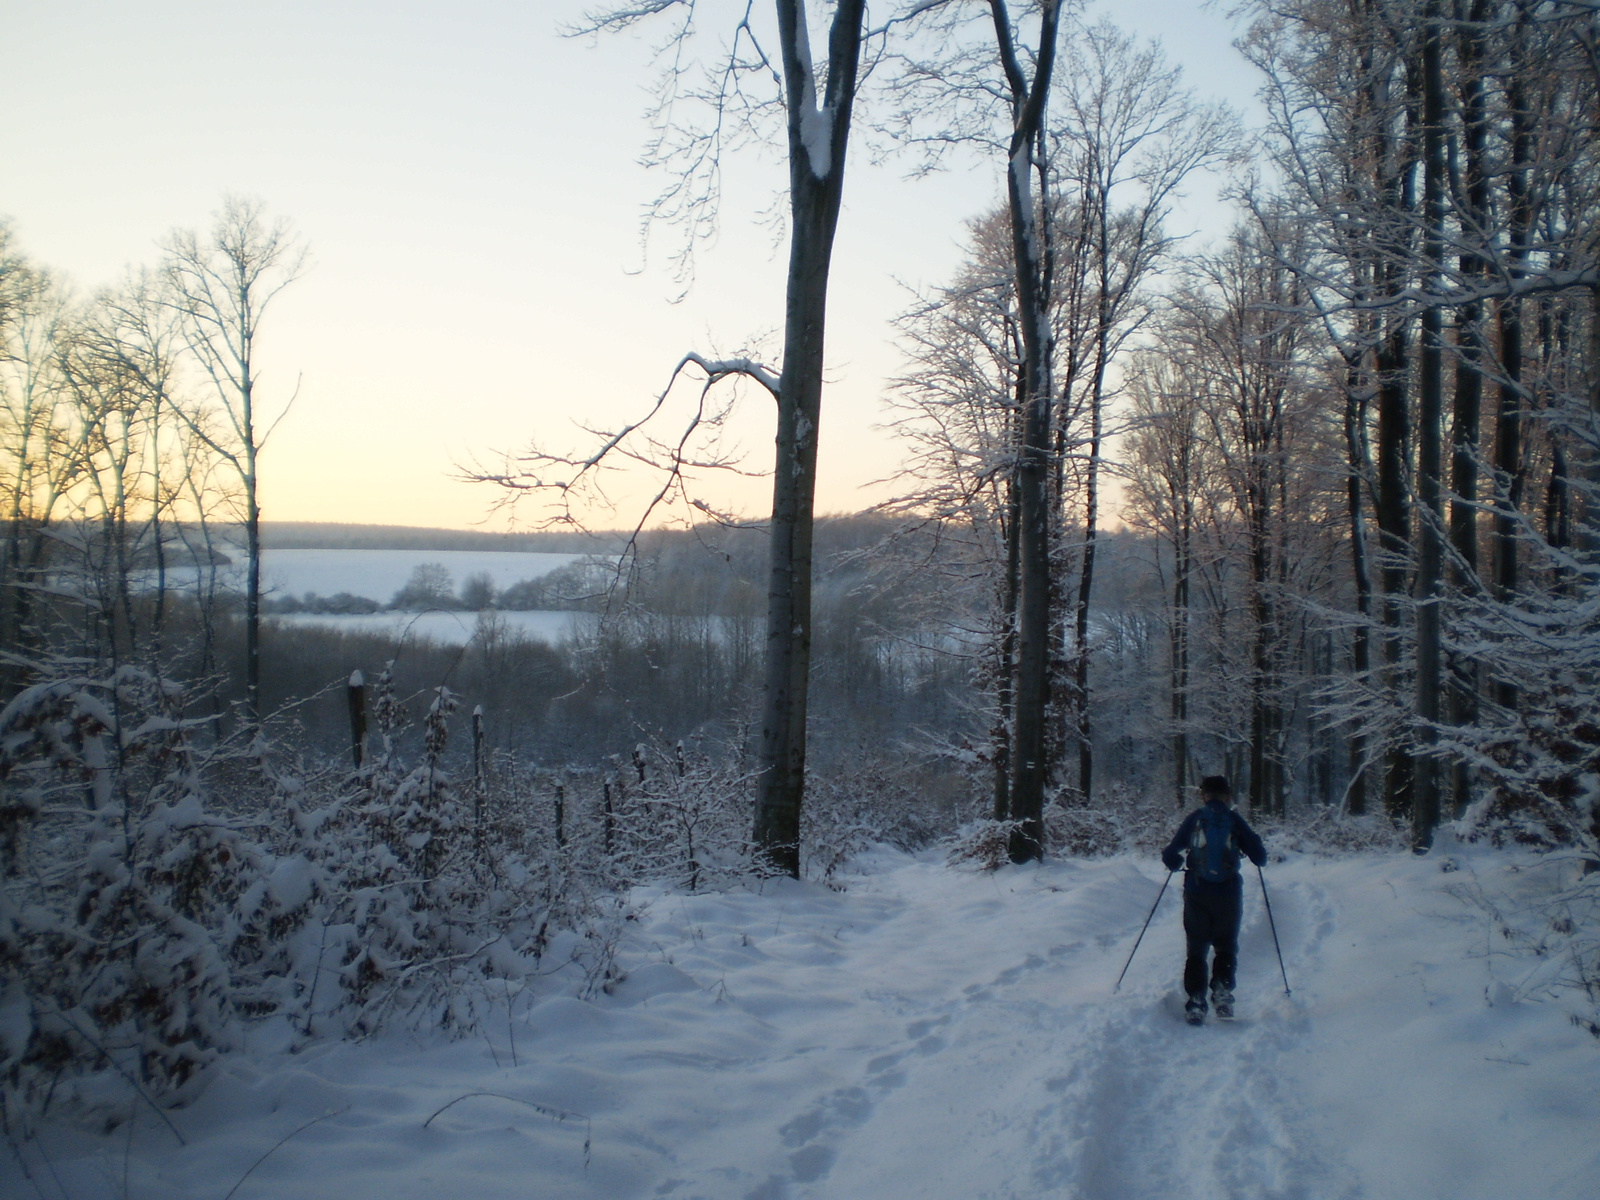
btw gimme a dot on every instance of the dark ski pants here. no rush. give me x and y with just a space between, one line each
1211 921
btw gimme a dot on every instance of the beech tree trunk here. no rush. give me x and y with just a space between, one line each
1430 413
1394 427
1508 430
1182 550
1008 650
1471 355
1028 100
818 140
1355 423
1080 630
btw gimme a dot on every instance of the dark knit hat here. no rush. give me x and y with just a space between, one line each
1215 785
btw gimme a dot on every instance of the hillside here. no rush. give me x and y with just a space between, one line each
944 1034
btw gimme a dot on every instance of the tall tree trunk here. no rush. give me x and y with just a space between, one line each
1028 101
158 616
1261 612
1008 650
1091 521
1508 424
1430 414
1091 497
1471 356
1394 535
1555 338
1394 425
1033 636
1558 503
252 591
1180 645
1355 421
818 140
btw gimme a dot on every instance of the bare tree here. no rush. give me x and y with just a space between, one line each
1129 138
1030 254
222 286
816 96
1240 331
118 360
1169 471
41 450
1108 167
960 405
953 96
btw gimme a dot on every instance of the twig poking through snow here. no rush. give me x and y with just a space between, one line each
238 1183
556 1114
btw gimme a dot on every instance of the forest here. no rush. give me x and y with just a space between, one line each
1315 506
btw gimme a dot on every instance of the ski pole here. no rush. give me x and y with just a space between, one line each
1140 938
1274 926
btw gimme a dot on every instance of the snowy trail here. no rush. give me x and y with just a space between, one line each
937 1033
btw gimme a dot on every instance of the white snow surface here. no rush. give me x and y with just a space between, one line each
933 1032
446 628
379 574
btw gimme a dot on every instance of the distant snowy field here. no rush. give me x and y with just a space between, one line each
937 1034
446 628
379 574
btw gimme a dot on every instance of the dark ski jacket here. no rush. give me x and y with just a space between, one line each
1244 838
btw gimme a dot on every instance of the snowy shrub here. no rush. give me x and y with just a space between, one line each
1124 819
1543 768
679 816
875 798
439 899
1540 760
413 899
1538 766
985 844
140 926
1546 915
118 892
1327 831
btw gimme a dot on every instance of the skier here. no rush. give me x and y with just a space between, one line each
1213 835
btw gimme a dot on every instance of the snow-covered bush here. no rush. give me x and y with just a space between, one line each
431 898
678 815
1536 752
876 800
1328 831
1124 818
143 920
119 888
985 844
1546 915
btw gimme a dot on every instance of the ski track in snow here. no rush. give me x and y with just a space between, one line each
933 1033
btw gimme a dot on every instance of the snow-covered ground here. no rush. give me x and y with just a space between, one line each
445 628
938 1033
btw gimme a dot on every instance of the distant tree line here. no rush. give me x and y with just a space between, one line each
326 535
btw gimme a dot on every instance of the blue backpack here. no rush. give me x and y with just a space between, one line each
1212 853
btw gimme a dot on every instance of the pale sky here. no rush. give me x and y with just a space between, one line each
468 182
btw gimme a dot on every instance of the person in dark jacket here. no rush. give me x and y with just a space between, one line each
1213 836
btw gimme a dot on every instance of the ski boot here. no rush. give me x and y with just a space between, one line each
1222 1003
1194 1012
